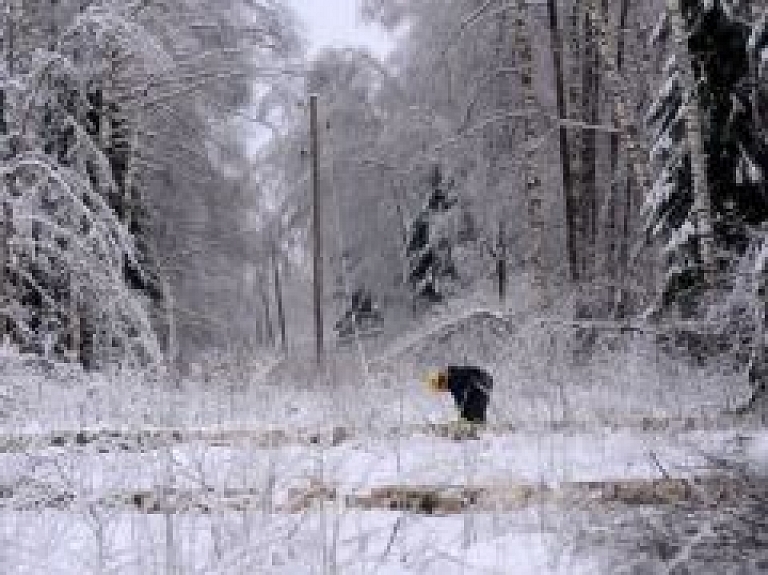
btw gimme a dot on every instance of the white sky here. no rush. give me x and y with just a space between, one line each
337 23
331 23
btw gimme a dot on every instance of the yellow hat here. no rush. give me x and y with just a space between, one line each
436 381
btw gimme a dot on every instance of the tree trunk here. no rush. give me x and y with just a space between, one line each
610 59
501 263
499 150
581 85
6 274
702 204
758 368
398 195
171 342
11 35
5 224
278 294
5 267
589 159
539 208
267 317
132 180
565 158
623 240
75 340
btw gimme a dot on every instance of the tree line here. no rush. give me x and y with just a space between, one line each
614 153
611 153
124 229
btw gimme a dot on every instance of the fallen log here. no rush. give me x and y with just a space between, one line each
420 499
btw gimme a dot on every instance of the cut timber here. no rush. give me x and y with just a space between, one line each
457 499
418 499
302 499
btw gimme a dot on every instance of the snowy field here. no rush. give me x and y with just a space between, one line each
202 508
235 468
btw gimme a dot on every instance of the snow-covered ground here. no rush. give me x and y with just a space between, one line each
255 473
326 536
361 464
320 542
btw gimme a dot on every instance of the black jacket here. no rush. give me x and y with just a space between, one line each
471 389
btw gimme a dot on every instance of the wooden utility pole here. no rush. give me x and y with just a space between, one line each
316 232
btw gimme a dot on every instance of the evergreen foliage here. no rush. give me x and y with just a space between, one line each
735 150
431 268
361 316
68 243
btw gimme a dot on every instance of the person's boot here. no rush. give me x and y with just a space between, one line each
465 430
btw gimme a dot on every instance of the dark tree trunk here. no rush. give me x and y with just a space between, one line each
278 294
267 317
565 161
623 240
589 159
501 263
6 215
758 365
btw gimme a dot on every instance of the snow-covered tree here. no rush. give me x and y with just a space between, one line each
432 271
229 72
711 157
77 281
122 152
756 275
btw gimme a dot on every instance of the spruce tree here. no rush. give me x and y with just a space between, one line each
361 316
735 153
431 269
